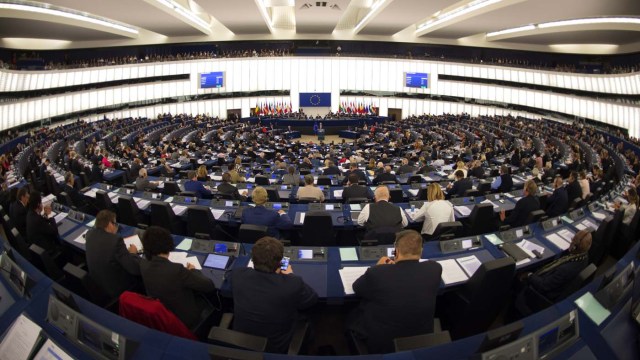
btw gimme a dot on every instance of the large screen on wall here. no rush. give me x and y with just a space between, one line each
416 80
212 80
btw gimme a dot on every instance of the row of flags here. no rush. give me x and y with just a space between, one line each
273 108
356 108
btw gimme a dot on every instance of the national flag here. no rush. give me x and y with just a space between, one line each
257 111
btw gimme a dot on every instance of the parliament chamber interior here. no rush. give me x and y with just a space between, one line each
380 179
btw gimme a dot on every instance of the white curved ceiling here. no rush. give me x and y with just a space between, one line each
158 22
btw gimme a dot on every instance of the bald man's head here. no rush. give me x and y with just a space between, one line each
382 193
387 169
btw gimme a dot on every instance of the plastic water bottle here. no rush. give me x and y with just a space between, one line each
413 208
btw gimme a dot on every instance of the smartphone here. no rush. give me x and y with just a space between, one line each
284 263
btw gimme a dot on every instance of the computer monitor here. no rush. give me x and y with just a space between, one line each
501 336
65 296
558 336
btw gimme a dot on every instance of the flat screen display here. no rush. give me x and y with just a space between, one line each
216 261
212 80
416 80
305 254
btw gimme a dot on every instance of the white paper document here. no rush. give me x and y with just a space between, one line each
217 213
463 210
20 339
142 203
469 264
486 201
452 272
599 216
349 275
528 247
51 351
413 192
566 234
178 209
169 199
558 241
337 194
81 238
60 217
302 218
133 240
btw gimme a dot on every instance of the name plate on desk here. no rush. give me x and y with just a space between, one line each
374 253
277 205
325 207
185 199
224 203
215 246
462 201
512 235
311 254
448 246
551 223
151 195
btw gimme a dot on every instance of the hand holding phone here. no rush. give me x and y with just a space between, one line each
284 263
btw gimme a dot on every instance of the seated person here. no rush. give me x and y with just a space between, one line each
225 188
331 169
435 211
551 279
382 213
405 168
143 183
291 177
459 166
404 288
69 189
524 206
266 299
202 174
476 170
259 215
386 176
41 230
504 182
573 187
235 176
309 190
460 186
558 202
18 210
195 186
165 169
353 169
630 208
355 190
176 286
113 266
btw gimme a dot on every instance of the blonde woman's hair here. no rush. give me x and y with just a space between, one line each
460 165
202 171
259 195
434 192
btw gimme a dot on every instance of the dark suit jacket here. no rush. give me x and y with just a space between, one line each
477 172
260 215
385 177
460 187
228 189
520 213
552 282
397 301
143 184
333 170
356 191
558 202
176 288
405 169
360 173
197 188
266 304
573 191
42 232
18 214
110 265
76 197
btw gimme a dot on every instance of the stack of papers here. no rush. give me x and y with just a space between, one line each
81 238
566 234
463 210
91 193
469 264
217 213
301 220
337 194
169 199
60 217
586 224
452 272
133 240
413 192
180 257
599 216
349 275
20 340
142 203
558 241
494 239
487 201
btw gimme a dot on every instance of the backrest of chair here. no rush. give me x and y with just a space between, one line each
396 195
450 228
360 200
535 216
323 181
200 220
103 202
64 199
308 200
127 211
16 240
43 261
415 179
261 180
317 229
249 233
236 339
481 220
585 276
161 214
483 305
421 341
170 188
383 235
152 313
611 234
598 244
273 195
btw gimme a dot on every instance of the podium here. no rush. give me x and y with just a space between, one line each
321 134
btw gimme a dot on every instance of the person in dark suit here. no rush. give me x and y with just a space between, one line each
143 183
558 202
69 189
41 230
196 186
331 169
573 187
405 168
504 182
460 186
18 210
225 188
476 170
266 299
398 296
42 171
113 266
175 285
524 206
134 170
259 215
551 279
385 176
353 169
354 190
97 171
